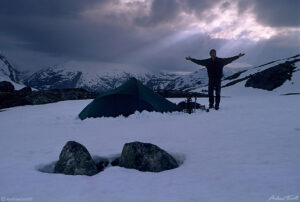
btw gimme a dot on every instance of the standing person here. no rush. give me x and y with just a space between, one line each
214 66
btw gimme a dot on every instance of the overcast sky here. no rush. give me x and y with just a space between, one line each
152 34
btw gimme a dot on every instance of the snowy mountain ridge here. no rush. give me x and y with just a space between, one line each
103 77
197 79
9 73
6 69
93 77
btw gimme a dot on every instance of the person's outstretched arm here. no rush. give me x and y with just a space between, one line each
199 62
226 61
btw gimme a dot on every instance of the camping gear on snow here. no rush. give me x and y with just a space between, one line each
188 106
125 100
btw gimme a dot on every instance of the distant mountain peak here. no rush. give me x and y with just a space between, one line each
100 77
94 76
7 70
9 73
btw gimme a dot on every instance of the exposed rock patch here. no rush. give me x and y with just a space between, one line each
6 86
26 96
101 163
146 157
271 78
75 159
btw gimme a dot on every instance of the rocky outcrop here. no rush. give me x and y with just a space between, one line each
101 163
115 162
24 91
75 159
56 95
271 78
26 96
146 157
234 76
6 86
12 99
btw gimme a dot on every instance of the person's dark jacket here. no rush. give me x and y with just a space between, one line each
215 68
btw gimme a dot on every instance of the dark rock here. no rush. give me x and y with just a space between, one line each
101 163
6 86
11 100
26 96
55 95
271 78
236 81
115 162
75 159
291 94
146 157
24 91
234 76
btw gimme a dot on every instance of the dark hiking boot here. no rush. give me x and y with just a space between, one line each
211 106
217 107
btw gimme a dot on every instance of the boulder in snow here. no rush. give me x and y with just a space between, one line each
146 157
101 163
115 162
75 159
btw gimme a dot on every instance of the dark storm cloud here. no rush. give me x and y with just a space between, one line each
59 30
275 13
161 11
45 8
167 11
53 27
47 27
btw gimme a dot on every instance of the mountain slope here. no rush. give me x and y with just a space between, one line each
196 79
95 77
271 76
9 73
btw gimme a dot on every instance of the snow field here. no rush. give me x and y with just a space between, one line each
249 150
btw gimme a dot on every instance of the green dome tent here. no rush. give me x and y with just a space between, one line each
125 100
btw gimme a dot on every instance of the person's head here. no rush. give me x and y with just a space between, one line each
213 53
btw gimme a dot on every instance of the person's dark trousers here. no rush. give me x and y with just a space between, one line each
214 84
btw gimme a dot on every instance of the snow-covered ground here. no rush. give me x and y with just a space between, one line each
249 150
